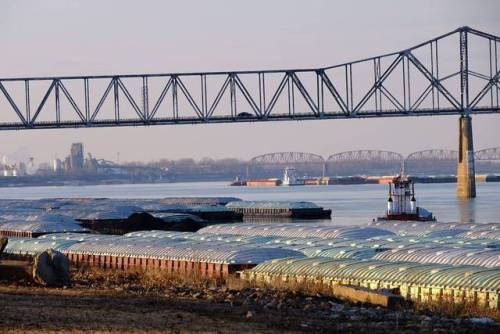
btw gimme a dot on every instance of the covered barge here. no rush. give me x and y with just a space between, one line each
304 210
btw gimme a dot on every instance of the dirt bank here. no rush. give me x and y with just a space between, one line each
132 302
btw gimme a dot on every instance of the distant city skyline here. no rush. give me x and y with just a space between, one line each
73 38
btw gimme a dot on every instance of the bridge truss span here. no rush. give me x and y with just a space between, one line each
272 164
433 154
432 162
287 158
364 162
488 154
456 73
365 155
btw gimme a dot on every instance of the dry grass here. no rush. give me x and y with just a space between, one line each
445 307
147 281
307 288
151 282
450 308
152 301
154 281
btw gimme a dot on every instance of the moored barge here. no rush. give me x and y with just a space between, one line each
304 210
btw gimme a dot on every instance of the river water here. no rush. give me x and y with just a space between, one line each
350 204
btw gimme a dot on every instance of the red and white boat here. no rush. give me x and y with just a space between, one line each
402 204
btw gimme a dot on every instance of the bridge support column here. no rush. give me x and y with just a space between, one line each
466 176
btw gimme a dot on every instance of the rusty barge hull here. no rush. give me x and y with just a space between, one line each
185 268
169 266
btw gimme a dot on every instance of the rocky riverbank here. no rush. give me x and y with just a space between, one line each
139 302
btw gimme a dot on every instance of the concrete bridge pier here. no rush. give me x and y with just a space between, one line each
466 176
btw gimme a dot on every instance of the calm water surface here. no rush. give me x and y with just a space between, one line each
351 204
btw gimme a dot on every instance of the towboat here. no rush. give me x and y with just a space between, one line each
290 178
238 182
402 204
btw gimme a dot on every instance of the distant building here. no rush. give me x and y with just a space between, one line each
76 157
57 166
22 169
7 169
13 170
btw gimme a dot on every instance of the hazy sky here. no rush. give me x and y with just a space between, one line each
65 37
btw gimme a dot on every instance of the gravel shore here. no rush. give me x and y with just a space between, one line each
127 304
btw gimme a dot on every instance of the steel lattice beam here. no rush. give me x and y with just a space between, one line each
410 82
365 155
433 154
286 158
491 154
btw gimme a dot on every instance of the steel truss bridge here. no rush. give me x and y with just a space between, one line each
279 158
311 161
455 73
